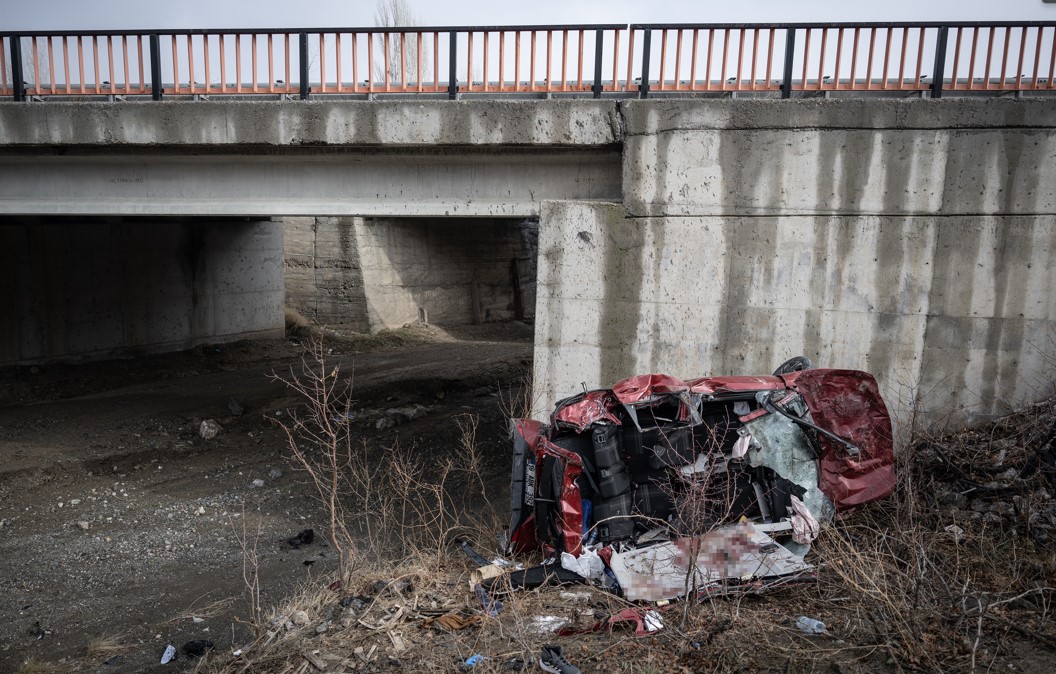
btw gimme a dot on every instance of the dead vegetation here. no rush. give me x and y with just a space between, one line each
954 572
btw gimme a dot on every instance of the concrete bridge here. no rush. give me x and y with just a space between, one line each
912 238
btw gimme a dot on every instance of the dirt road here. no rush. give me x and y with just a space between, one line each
119 521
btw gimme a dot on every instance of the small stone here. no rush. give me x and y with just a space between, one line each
209 429
299 618
196 619
200 511
236 408
956 531
75 501
83 524
385 422
274 473
257 484
321 628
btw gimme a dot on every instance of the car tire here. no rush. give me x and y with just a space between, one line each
797 364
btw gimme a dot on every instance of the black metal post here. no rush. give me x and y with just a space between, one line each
647 40
599 44
16 68
156 86
303 49
790 55
452 71
940 63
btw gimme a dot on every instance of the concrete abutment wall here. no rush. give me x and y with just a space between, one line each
913 239
370 274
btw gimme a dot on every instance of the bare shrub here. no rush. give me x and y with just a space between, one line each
383 504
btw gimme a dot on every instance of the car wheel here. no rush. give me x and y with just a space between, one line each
797 364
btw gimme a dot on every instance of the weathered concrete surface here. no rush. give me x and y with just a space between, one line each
954 315
841 157
301 182
913 239
95 288
375 273
584 123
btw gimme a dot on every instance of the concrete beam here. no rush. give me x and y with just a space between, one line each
282 182
581 123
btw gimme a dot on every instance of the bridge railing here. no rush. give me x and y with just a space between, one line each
866 57
638 60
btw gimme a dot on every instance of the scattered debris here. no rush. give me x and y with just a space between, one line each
491 606
169 655
552 660
810 625
306 537
473 660
83 525
209 429
956 532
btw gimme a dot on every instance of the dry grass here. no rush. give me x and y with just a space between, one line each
897 591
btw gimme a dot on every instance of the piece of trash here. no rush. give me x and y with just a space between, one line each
588 564
196 619
236 408
731 552
303 538
197 648
168 655
491 606
237 652
113 661
452 621
517 664
810 625
478 576
547 624
645 621
531 578
468 550
209 429
37 631
956 531
551 659
473 660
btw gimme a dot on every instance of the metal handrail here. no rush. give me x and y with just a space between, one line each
628 59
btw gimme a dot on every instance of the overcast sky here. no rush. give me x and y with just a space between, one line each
118 14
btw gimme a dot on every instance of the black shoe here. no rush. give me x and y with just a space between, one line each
550 660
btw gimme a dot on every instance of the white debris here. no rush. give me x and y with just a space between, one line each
209 429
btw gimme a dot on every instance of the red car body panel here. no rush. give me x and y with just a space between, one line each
848 404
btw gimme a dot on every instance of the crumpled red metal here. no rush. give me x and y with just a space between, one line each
591 407
644 386
848 404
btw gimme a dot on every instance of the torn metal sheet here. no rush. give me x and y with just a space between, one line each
783 447
669 570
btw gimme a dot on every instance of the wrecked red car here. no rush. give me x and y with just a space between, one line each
656 458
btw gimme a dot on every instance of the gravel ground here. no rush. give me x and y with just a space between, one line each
120 525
